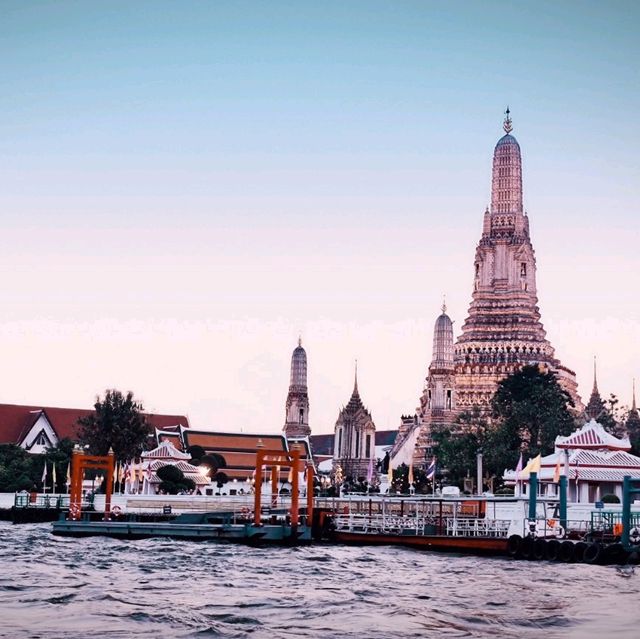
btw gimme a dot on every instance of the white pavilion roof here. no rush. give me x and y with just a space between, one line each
592 436
166 450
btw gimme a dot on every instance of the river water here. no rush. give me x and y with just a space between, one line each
54 587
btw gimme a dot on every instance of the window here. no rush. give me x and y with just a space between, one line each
357 450
523 269
339 442
302 415
368 447
449 399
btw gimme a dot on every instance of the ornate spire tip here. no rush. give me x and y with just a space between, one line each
507 125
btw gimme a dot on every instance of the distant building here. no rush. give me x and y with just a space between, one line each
503 331
595 407
355 436
36 428
595 463
296 423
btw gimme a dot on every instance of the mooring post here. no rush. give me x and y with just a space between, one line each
533 494
563 502
626 510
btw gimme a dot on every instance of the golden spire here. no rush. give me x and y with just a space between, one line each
355 384
444 304
299 340
507 126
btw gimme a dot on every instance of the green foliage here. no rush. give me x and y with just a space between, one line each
400 484
214 462
173 480
457 445
19 470
529 410
197 453
117 423
610 499
221 479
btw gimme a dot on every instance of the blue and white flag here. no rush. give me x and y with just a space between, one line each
431 471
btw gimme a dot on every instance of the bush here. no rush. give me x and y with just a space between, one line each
170 473
197 453
610 499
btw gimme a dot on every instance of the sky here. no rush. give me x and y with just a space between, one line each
187 187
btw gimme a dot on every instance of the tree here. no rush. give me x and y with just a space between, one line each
118 424
19 470
197 453
529 410
611 418
214 462
457 444
173 480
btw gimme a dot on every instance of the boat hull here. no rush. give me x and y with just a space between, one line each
471 545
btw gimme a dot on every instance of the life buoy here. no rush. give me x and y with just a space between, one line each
634 535
116 510
532 525
560 532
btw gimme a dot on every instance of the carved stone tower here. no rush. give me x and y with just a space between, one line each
355 437
596 405
297 410
503 331
438 401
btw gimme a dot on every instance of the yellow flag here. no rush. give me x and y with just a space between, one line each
556 472
390 473
410 474
53 476
535 464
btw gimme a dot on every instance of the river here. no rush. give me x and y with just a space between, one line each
53 587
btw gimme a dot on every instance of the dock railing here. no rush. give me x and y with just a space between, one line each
421 525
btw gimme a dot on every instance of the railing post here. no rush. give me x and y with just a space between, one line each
533 494
563 503
626 510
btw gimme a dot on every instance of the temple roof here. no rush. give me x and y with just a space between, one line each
507 139
165 450
592 436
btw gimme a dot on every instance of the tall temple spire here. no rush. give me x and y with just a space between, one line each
632 423
355 380
297 406
506 183
633 403
596 405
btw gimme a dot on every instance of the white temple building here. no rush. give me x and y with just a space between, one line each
594 461
144 479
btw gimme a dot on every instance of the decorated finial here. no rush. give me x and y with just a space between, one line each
355 384
299 340
633 405
507 126
444 304
595 379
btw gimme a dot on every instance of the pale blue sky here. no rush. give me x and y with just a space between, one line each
185 186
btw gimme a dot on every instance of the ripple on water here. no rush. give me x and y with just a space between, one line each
55 587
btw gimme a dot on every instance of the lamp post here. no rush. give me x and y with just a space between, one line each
479 471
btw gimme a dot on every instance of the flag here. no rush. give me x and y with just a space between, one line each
370 471
410 473
431 471
68 473
53 476
535 464
390 473
141 472
44 473
289 478
519 468
556 472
